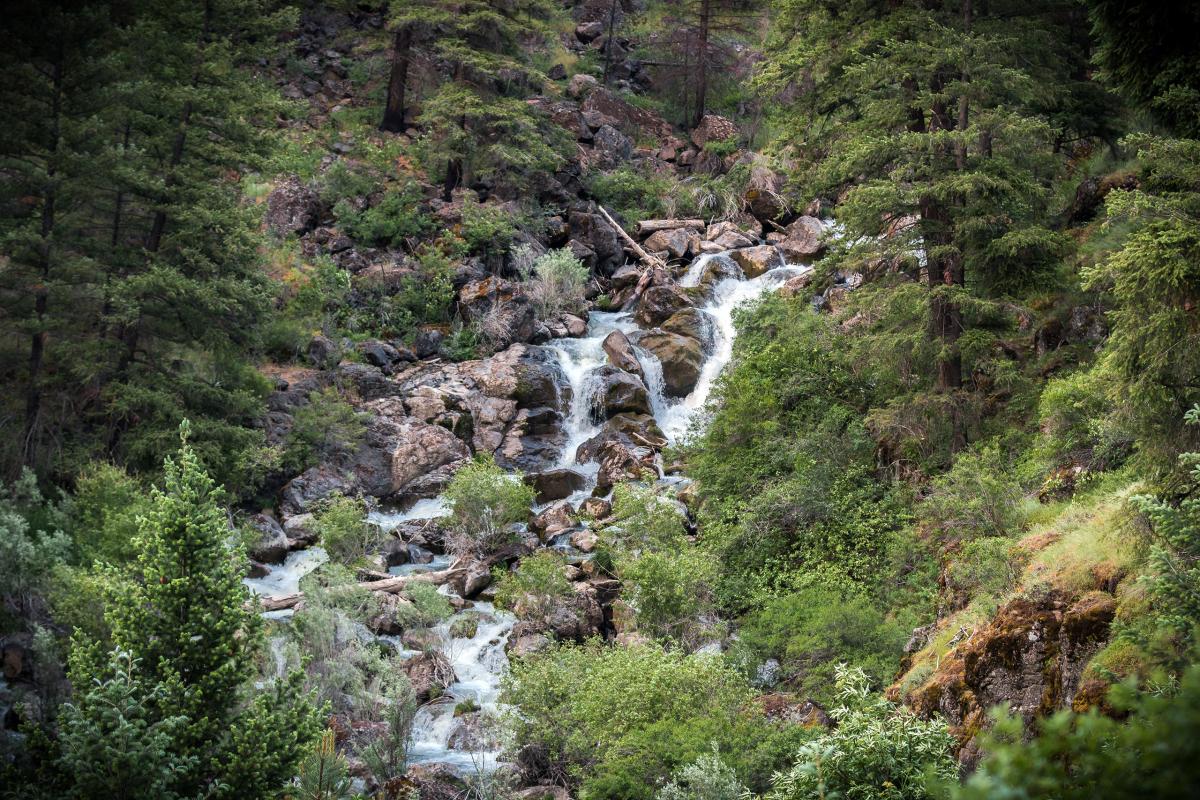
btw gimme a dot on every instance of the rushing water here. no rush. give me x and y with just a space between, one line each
479 661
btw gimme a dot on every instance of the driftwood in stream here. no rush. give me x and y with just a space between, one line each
372 580
655 270
652 225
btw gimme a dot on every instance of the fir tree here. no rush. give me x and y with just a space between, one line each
182 615
477 125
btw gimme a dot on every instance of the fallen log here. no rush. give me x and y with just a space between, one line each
371 580
647 259
652 225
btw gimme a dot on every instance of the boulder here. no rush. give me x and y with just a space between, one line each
412 448
682 358
499 309
584 541
754 261
303 492
718 268
430 674
596 507
617 392
556 484
610 148
678 242
293 209
764 194
796 285
713 128
271 544
692 323
554 519
732 239
620 353
323 353
594 233
803 239
299 531
474 732
658 303
580 84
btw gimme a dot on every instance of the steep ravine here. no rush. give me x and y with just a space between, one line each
587 375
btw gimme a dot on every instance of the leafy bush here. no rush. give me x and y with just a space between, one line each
487 229
878 751
706 778
341 523
104 514
977 497
426 607
619 721
32 543
555 281
536 587
812 630
629 193
323 428
643 520
395 220
484 502
668 591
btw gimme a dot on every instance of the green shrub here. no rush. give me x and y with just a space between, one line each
706 778
322 429
668 591
398 218
427 607
536 587
484 502
341 523
487 229
643 520
104 514
977 497
555 281
619 721
983 566
877 751
812 630
629 193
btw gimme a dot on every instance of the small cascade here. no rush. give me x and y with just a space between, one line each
479 663
285 578
657 389
727 296
428 508
579 358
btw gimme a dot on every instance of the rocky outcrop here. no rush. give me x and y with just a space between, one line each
1030 658
620 353
803 239
755 261
293 209
271 543
617 392
499 309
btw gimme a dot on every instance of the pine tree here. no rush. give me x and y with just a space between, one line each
923 114
182 615
477 125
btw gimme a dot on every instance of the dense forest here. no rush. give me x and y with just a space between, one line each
608 399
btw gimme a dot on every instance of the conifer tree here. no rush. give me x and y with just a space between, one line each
182 616
477 125
922 112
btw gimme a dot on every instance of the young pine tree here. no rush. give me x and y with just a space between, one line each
182 617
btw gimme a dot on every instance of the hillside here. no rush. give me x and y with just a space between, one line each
664 399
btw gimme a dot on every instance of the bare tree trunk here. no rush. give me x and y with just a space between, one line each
393 112
37 341
702 61
608 45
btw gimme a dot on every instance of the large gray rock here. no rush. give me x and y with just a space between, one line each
611 148
499 309
271 544
594 233
658 303
293 209
682 358
556 484
620 353
677 242
754 261
803 239
618 392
